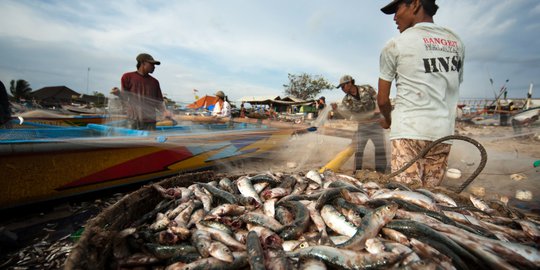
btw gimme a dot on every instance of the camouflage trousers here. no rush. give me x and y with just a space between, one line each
428 171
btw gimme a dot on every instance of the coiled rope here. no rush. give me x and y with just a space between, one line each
483 158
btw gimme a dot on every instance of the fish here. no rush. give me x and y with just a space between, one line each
183 218
480 204
161 223
227 185
438 197
493 261
275 259
219 193
317 219
395 236
223 210
374 246
530 229
315 177
311 264
196 216
202 239
220 251
370 227
460 257
203 197
346 259
354 197
166 252
171 214
255 251
247 190
336 221
269 207
268 238
426 251
223 237
210 263
300 223
262 220
277 192
409 196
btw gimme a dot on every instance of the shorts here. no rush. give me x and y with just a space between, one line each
428 171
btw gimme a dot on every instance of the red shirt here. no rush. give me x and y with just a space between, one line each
142 96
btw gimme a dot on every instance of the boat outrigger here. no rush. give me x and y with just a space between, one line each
49 162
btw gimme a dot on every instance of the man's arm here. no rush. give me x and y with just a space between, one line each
383 100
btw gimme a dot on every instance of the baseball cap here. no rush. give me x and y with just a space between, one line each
344 79
391 8
144 57
220 94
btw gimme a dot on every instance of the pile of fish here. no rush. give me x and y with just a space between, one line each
319 221
45 254
51 247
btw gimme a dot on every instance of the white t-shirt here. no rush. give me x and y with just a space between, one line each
426 61
222 112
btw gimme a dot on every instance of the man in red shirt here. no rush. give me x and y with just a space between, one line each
142 95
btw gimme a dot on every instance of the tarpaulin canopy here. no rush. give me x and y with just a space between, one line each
204 102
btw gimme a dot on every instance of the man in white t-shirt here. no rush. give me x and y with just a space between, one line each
222 108
426 61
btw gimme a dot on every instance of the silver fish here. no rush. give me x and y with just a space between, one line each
480 204
220 251
202 239
347 259
336 221
223 237
262 220
246 189
371 225
409 196
315 177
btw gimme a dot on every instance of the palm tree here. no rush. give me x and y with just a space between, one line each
20 90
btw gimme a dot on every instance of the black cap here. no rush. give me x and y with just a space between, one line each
391 8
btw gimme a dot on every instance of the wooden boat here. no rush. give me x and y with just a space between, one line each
528 116
66 120
51 162
526 119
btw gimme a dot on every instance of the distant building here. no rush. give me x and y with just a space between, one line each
62 95
54 96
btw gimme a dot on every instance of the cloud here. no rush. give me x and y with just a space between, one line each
248 46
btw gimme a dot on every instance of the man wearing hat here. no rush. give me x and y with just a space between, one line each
222 108
5 111
426 61
321 104
360 104
141 94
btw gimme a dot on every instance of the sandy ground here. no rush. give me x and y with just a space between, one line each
508 174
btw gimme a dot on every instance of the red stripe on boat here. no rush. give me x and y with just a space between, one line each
151 163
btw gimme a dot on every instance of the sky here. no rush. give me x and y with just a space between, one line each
248 47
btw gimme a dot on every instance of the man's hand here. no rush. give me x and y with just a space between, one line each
384 124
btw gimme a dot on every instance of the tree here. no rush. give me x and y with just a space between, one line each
100 99
20 89
305 86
